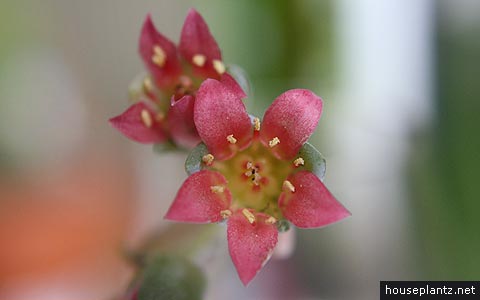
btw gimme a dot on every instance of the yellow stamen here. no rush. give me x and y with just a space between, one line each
231 139
147 85
158 50
217 189
199 60
226 213
256 124
289 186
159 57
249 165
158 61
250 217
299 161
275 141
146 118
219 66
208 159
271 220
248 173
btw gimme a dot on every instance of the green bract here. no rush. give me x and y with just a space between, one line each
314 161
194 162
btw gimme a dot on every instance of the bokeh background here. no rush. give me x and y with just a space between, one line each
400 131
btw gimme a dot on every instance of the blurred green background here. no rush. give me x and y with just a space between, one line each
399 130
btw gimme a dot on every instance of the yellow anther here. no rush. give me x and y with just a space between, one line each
146 118
159 57
217 189
219 66
248 214
298 162
249 165
248 173
256 124
199 60
271 220
158 50
208 159
226 213
158 60
275 141
289 186
147 85
231 139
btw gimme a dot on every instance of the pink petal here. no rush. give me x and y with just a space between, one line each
250 245
131 124
232 84
166 74
196 39
291 118
218 113
196 202
311 204
181 125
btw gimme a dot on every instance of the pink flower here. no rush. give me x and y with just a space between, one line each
164 111
256 175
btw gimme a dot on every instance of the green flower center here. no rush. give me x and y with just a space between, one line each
255 178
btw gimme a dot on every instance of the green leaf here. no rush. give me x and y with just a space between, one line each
314 161
194 161
171 278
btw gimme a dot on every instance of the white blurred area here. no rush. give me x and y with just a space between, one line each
385 90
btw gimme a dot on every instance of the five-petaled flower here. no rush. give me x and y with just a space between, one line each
253 174
164 108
